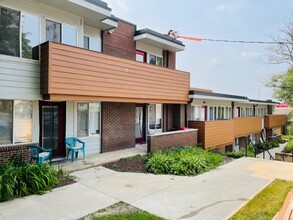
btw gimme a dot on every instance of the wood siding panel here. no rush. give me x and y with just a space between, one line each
214 133
272 121
70 71
19 78
246 126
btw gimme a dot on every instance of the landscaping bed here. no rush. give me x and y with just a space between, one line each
180 161
266 204
121 211
19 179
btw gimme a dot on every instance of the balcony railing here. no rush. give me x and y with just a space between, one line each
272 121
222 132
72 73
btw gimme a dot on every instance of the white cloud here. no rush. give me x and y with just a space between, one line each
231 8
214 62
248 55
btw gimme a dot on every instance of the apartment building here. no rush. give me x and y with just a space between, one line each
225 121
71 68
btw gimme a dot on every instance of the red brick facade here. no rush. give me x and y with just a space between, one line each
172 139
120 42
11 151
178 116
172 60
118 126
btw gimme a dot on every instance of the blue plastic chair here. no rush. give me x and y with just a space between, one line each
73 147
40 154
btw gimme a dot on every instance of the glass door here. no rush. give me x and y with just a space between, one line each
140 124
52 127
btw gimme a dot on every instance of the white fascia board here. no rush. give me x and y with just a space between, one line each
263 103
217 98
110 22
159 40
91 7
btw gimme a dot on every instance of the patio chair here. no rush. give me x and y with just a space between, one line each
73 145
40 154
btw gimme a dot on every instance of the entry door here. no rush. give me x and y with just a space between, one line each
140 121
52 127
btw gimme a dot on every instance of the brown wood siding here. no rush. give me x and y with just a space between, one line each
200 125
272 121
87 75
214 133
245 126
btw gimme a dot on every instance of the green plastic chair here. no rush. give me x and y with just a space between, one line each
73 145
40 154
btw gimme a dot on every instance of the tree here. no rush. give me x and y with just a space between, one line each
283 49
282 85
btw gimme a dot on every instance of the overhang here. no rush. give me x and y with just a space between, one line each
262 102
159 40
95 13
217 96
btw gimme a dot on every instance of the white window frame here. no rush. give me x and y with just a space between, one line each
62 23
13 121
149 59
75 124
156 130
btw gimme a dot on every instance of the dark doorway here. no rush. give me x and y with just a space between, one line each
140 122
52 126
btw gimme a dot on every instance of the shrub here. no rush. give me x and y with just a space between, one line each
182 161
18 179
289 147
242 153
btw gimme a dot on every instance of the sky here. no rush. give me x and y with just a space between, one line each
239 69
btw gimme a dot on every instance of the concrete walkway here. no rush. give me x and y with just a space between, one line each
99 159
266 156
213 195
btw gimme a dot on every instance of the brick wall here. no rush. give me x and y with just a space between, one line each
10 151
172 139
118 126
120 43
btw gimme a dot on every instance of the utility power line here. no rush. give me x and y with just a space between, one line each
176 35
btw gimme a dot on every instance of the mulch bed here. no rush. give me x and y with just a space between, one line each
136 165
64 182
132 164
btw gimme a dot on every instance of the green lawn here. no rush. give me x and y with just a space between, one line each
129 216
267 203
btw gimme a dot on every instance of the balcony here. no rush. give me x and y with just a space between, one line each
214 133
272 121
222 132
247 125
72 73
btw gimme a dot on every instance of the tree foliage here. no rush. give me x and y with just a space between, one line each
282 85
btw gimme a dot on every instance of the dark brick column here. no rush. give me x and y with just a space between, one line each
118 126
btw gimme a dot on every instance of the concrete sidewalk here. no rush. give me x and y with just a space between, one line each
213 195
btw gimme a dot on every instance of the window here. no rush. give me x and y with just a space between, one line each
53 31
140 56
19 114
30 36
88 119
61 33
13 43
155 116
211 116
220 113
195 111
9 32
23 114
69 34
6 122
156 60
86 42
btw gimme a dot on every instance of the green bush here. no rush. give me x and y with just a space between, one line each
289 147
182 161
18 179
241 152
